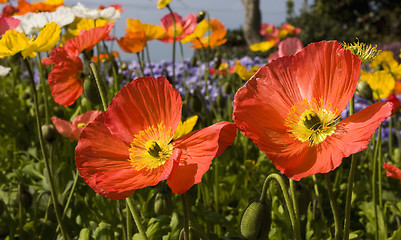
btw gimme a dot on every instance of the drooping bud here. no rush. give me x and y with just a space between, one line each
365 52
163 203
49 132
363 90
255 222
91 91
200 16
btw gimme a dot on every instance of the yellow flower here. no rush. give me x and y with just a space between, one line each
186 127
162 3
381 82
243 73
151 31
14 42
82 24
263 46
385 60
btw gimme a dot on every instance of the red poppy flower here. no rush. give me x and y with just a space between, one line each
182 28
72 131
8 23
65 82
392 171
87 39
290 108
130 145
396 102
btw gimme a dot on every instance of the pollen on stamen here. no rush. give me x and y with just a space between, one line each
312 121
151 147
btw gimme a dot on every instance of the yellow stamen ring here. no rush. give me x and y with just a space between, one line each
312 121
151 147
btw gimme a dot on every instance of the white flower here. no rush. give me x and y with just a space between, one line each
109 13
4 71
32 23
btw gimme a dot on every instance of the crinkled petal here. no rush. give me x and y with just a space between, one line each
64 127
392 171
143 103
198 150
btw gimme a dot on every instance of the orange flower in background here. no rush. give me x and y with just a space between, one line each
138 34
182 29
392 171
3 1
72 131
290 109
130 146
105 56
44 6
200 38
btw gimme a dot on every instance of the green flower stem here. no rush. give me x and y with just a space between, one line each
288 203
334 208
95 74
375 177
136 218
294 202
129 223
44 92
140 64
174 39
319 202
186 216
350 184
150 62
216 192
42 147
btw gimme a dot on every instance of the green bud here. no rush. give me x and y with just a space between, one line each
49 132
255 222
91 91
363 90
163 204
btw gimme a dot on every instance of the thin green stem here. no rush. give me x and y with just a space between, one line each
350 184
294 202
136 218
129 223
140 64
375 177
319 202
148 57
44 92
199 233
42 147
287 200
99 87
390 136
174 38
186 216
334 208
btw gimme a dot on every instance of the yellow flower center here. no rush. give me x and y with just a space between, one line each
151 147
178 30
312 121
81 125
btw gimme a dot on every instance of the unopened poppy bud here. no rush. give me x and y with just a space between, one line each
163 204
49 132
200 16
217 63
91 91
255 222
363 90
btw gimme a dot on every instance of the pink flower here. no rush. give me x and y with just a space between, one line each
182 29
8 23
287 47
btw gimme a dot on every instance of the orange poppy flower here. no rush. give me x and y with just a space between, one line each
217 36
130 146
138 34
45 6
295 103
72 131
105 56
183 28
392 171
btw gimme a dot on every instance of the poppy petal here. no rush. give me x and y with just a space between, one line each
392 171
143 103
325 70
64 127
99 151
198 150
